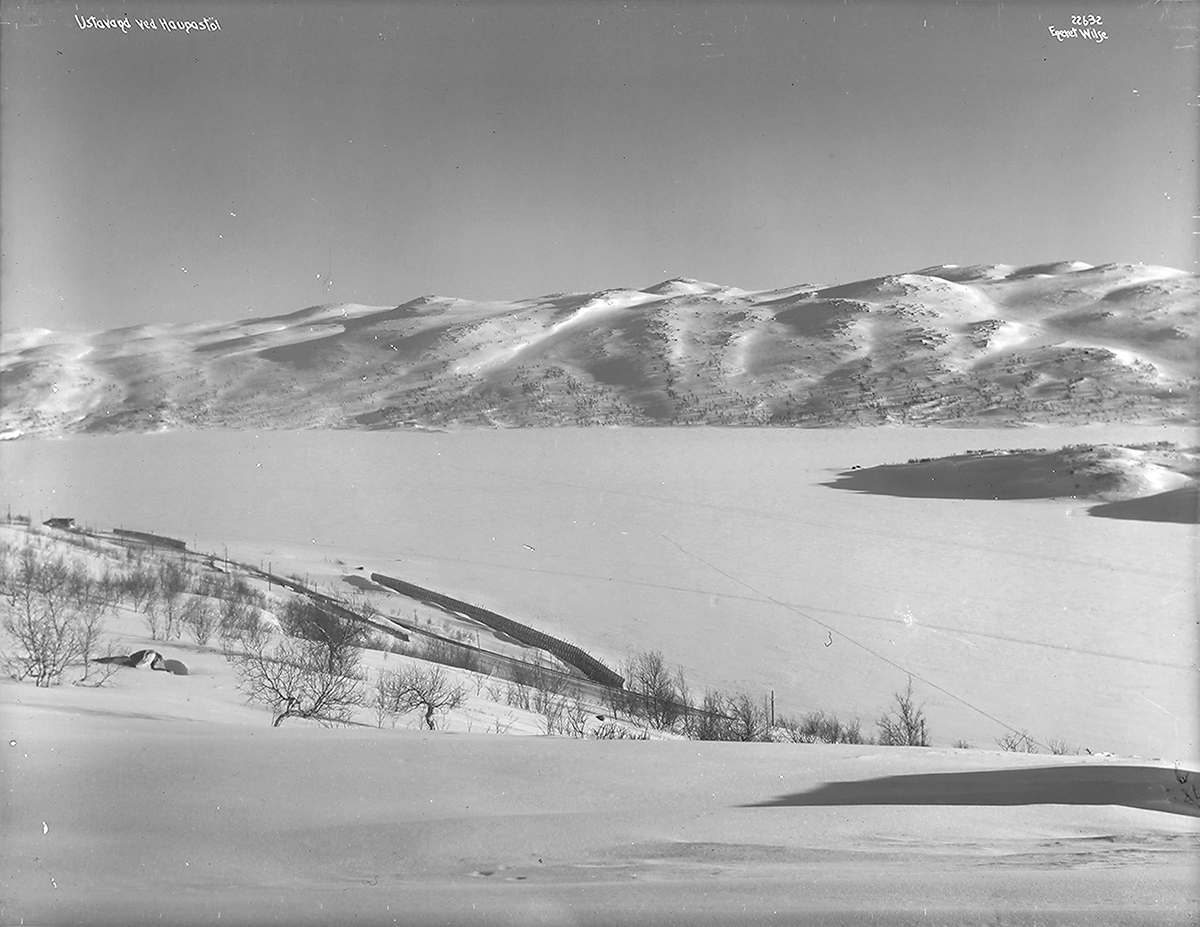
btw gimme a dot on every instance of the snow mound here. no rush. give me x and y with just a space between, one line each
957 273
683 286
1050 270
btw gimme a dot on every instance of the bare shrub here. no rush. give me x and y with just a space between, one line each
8 558
199 618
336 633
390 643
616 702
173 581
379 700
107 590
414 687
243 591
380 642
610 730
359 604
152 618
105 665
518 695
551 707
80 586
522 674
816 727
236 614
904 725
140 586
448 653
205 583
1059 747
295 680
686 703
562 710
1017 742
575 717
238 622
547 679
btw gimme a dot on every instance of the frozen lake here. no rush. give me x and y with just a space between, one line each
720 547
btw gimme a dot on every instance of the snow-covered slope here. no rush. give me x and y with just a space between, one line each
164 798
136 820
982 344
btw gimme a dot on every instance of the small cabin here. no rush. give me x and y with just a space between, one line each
67 524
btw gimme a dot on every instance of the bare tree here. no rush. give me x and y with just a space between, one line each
415 687
140 586
561 706
335 631
173 581
80 586
749 720
107 590
295 680
686 703
198 617
42 620
711 720
89 627
152 617
904 725
239 623
652 689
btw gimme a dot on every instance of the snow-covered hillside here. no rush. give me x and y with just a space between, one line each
978 345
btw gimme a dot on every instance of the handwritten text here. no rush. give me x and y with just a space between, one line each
1075 32
161 24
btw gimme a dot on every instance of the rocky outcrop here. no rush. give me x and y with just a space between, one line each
148 658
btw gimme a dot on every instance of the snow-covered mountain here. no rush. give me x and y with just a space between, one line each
985 344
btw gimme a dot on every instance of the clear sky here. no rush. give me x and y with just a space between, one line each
374 152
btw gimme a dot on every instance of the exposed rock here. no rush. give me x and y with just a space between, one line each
147 658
